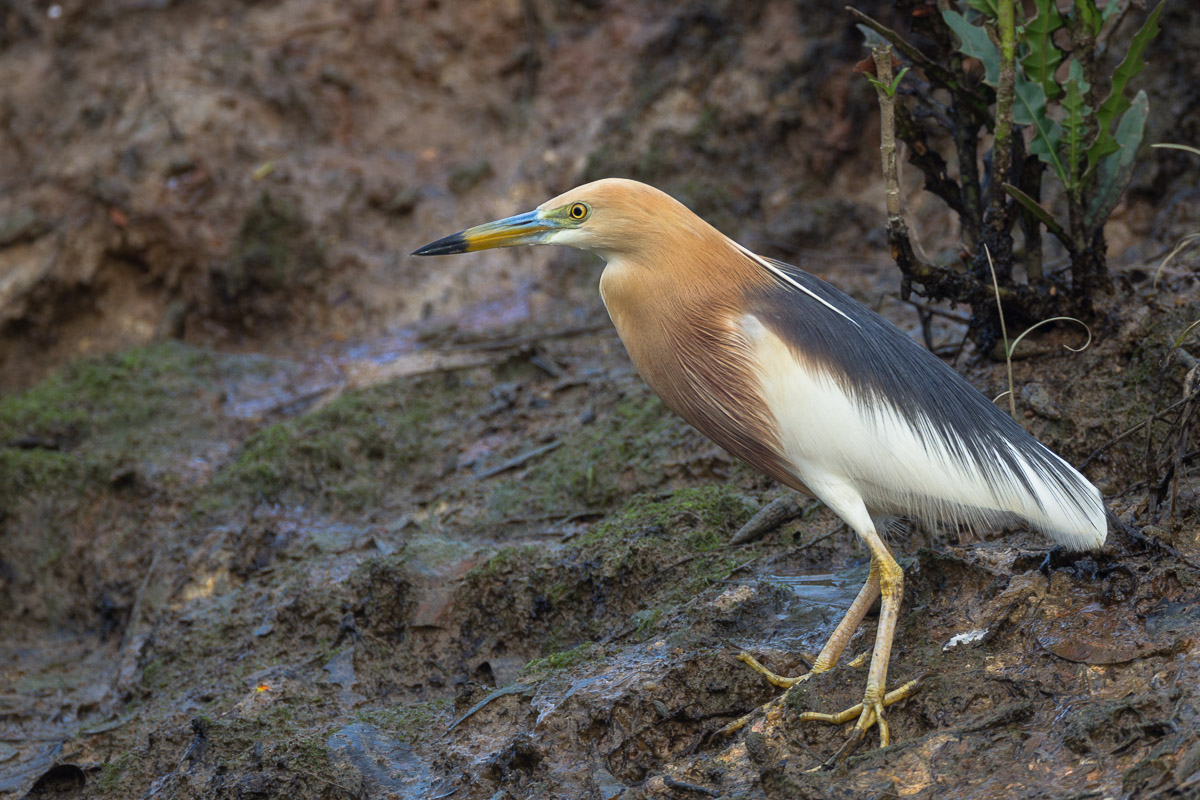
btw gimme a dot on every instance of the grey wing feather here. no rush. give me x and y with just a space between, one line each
877 363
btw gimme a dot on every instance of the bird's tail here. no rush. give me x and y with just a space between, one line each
1058 500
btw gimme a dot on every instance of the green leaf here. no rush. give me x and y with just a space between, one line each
1087 11
889 89
1116 103
1030 109
1043 57
1179 339
985 7
1032 206
1074 123
1113 173
975 43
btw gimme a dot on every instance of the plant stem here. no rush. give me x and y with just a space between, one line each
1012 399
1005 92
887 129
997 223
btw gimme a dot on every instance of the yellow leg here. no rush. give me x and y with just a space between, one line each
835 645
865 719
886 580
825 661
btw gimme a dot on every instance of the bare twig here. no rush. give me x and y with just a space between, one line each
937 312
516 461
512 342
1002 149
516 688
887 128
935 71
779 511
1012 399
674 783
1131 431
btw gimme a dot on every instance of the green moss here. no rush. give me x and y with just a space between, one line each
99 417
669 544
709 512
110 775
98 412
658 552
563 659
646 621
25 471
507 560
345 456
153 676
282 733
599 464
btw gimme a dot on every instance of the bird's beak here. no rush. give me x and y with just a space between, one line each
528 228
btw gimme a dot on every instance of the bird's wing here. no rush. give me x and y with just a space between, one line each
927 441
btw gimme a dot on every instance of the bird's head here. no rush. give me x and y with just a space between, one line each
610 217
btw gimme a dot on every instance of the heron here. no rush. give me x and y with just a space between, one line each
811 387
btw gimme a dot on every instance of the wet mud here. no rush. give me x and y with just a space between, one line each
515 580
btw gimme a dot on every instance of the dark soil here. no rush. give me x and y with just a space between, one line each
284 513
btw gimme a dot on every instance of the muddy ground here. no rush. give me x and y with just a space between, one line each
284 513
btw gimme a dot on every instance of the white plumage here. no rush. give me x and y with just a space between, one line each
831 438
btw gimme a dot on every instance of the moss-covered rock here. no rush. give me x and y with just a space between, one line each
98 415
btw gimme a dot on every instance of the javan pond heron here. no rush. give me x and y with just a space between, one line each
816 390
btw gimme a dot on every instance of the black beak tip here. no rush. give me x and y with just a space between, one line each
445 246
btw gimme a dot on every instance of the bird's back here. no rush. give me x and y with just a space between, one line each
808 385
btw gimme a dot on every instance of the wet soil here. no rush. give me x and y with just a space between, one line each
326 522
231 575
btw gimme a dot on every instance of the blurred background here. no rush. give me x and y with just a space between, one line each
246 174
280 505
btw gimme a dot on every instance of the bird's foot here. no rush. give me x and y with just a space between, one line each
868 713
771 708
773 678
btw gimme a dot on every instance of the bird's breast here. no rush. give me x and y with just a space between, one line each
696 357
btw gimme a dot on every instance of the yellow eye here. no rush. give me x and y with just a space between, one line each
578 211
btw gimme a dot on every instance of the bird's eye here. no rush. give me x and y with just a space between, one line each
578 211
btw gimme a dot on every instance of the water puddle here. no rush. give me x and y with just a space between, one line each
831 590
386 766
817 601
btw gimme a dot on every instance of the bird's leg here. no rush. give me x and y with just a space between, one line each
870 711
886 580
825 661
837 641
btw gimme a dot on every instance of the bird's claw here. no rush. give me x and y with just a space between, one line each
868 713
775 679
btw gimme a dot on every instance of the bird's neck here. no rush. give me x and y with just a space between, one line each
658 301
668 280
685 334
